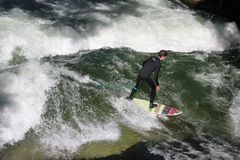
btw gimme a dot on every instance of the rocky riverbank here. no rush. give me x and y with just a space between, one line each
225 8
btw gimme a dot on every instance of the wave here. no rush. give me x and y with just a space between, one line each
25 95
149 28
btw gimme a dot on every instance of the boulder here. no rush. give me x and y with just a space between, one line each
228 9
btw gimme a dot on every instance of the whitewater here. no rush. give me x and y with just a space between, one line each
141 26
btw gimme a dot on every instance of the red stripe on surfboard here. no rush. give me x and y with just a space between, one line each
168 110
171 111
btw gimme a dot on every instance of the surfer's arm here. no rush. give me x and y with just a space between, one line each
156 76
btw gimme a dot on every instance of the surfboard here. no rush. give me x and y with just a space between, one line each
160 109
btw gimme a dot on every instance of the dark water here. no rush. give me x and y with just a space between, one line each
65 65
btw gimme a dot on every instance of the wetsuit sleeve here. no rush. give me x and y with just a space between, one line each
156 75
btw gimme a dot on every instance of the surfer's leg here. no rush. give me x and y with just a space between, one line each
151 84
135 89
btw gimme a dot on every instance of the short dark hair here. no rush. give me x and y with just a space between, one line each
162 53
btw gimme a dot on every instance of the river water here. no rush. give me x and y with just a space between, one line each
65 64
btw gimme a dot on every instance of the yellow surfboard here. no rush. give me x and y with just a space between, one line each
160 109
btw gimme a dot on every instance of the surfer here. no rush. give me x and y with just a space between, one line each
150 67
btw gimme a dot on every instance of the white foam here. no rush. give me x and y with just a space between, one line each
60 139
133 116
25 93
75 76
217 151
158 27
201 57
214 79
101 6
231 33
34 36
161 27
186 151
235 114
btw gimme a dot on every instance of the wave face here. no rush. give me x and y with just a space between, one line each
22 100
65 64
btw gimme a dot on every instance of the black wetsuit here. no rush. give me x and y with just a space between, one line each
150 66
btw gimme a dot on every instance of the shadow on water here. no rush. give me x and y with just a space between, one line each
137 151
191 147
4 100
80 15
232 56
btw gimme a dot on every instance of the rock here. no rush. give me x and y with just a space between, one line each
191 3
228 9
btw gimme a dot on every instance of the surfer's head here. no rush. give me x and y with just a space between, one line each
162 55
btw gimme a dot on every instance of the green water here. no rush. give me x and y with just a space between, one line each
200 84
